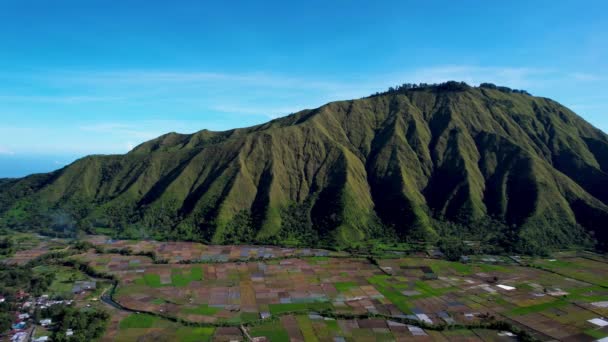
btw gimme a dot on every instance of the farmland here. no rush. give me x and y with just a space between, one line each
320 295
193 292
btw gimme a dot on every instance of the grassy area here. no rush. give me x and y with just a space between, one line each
188 334
138 321
538 307
442 267
204 310
149 279
64 279
317 259
596 333
427 290
588 294
136 327
586 270
344 286
272 331
178 278
306 328
383 284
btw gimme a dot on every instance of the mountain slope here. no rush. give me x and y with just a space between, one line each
394 164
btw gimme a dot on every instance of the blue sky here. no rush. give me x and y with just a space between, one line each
82 77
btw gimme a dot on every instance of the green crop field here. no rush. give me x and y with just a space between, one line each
204 310
138 321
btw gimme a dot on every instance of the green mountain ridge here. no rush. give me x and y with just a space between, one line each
400 164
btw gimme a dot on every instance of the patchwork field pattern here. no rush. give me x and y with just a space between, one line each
312 327
31 246
175 252
297 291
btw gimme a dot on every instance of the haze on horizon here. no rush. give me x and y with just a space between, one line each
81 78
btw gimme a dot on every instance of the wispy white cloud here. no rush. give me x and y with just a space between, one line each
587 77
222 91
131 130
221 100
192 78
142 82
124 134
5 151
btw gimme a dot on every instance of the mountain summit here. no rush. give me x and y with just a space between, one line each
416 162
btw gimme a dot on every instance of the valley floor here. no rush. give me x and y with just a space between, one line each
191 292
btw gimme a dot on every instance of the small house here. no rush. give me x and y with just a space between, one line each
81 286
19 337
18 326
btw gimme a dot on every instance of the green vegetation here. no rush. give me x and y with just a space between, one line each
596 334
138 321
306 327
149 279
539 307
428 291
16 278
64 278
580 269
7 246
188 334
204 310
180 280
344 286
272 331
518 173
6 320
87 324
276 309
386 286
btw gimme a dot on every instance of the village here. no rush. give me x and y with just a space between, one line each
30 325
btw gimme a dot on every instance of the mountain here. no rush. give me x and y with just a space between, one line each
416 162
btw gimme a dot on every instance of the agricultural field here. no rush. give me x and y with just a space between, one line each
176 252
296 291
311 327
30 246
587 267
225 293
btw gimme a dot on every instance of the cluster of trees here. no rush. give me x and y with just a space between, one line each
454 248
87 324
7 246
14 278
239 229
494 236
6 318
296 226
503 89
447 86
